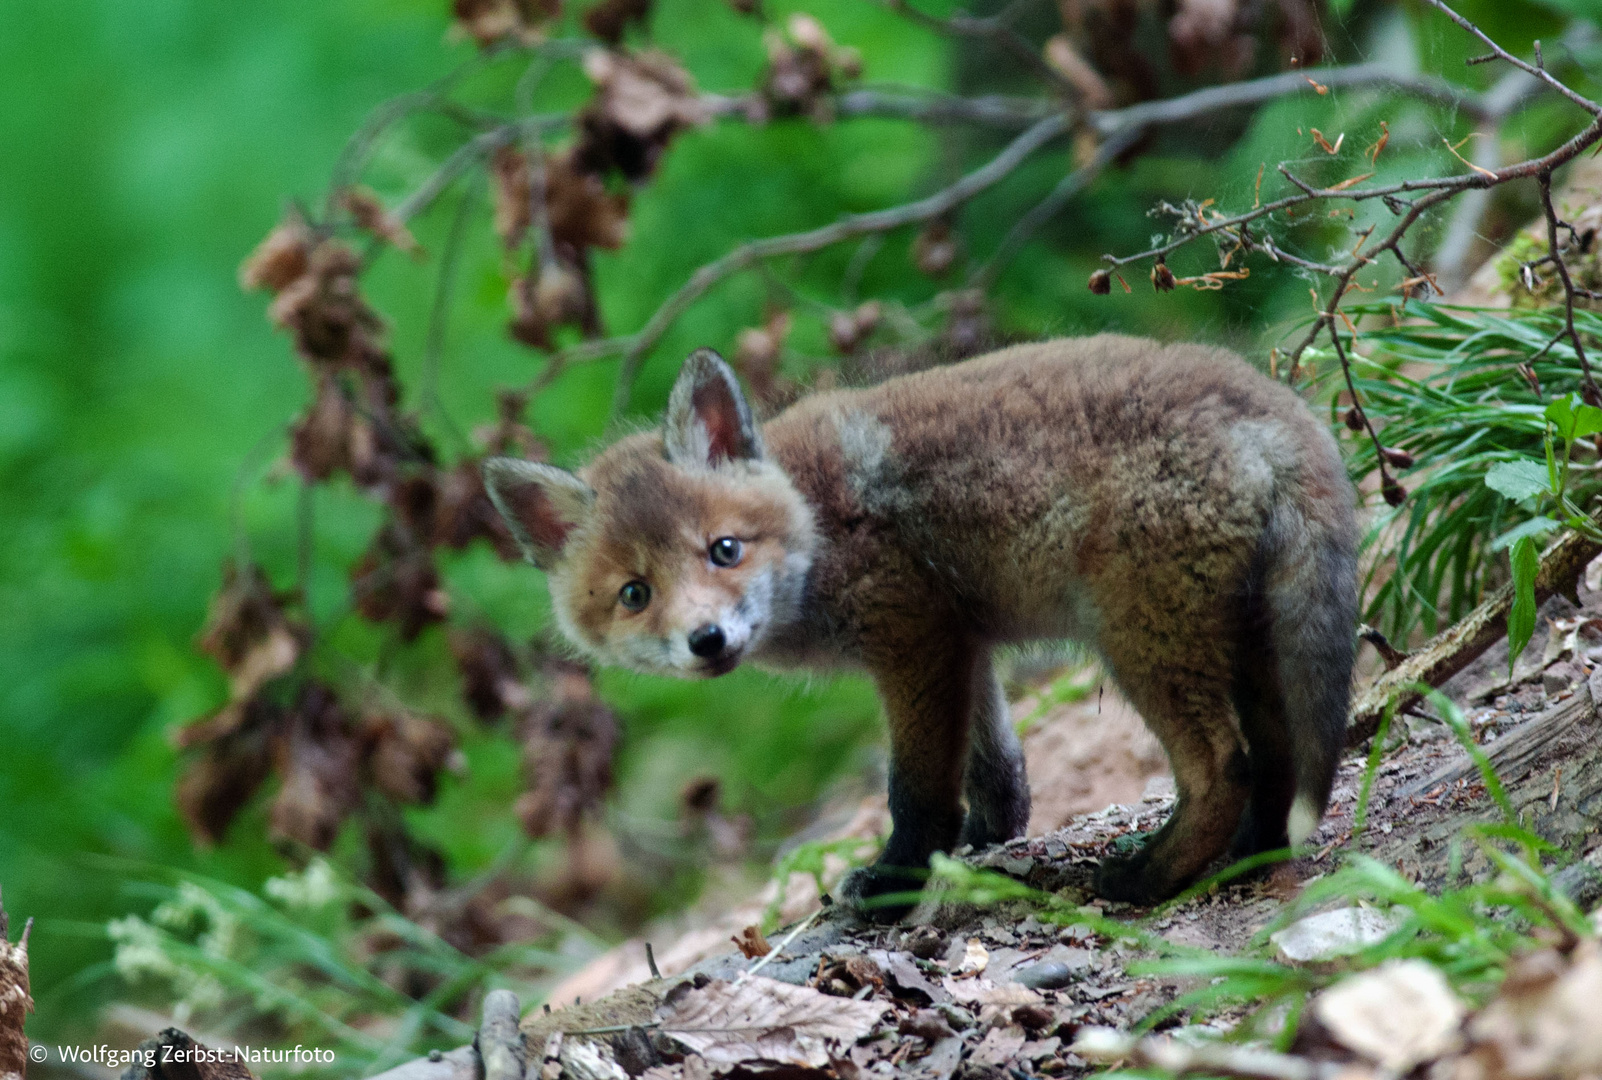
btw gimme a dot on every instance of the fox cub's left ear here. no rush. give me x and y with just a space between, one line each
708 419
541 504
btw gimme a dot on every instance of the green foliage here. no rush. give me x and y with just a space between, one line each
294 963
1444 385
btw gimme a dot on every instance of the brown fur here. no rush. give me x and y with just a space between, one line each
1166 505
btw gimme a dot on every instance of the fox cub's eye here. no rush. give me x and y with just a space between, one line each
725 551
635 595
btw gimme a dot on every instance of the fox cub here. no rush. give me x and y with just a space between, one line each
1183 516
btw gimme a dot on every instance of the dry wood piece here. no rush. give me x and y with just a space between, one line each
15 1001
1516 751
1456 648
500 1043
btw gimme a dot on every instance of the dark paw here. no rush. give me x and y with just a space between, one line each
1256 835
980 831
1132 879
879 893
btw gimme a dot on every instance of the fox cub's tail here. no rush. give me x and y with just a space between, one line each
1311 590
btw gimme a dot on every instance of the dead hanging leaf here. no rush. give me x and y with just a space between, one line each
281 257
395 579
1210 33
405 755
318 758
492 681
751 943
218 783
557 295
248 633
1398 1015
935 249
16 1000
489 22
320 442
804 67
849 329
1093 90
580 211
608 19
324 311
967 331
411 876
1300 31
757 352
642 101
367 210
512 185
568 743
463 512
758 1022
509 435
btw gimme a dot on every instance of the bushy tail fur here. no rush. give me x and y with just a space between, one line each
1311 591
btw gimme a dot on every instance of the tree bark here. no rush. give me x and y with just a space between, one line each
1460 645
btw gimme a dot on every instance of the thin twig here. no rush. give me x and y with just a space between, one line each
1591 393
439 318
1539 72
634 347
1049 207
997 28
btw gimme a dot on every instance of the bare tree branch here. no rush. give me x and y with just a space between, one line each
635 347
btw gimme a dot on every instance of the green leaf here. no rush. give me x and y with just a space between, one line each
1518 480
1587 421
1521 617
1534 529
1561 415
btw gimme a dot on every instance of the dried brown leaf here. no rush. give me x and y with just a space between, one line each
751 943
758 1021
318 757
405 755
568 743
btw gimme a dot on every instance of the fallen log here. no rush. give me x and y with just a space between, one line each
1458 646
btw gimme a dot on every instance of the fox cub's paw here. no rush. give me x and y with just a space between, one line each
1133 879
868 891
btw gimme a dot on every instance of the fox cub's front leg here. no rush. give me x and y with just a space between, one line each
934 697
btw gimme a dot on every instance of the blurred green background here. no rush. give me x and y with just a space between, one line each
145 148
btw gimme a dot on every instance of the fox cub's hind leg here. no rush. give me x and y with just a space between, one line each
1189 709
994 783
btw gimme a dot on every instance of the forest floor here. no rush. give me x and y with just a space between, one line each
992 991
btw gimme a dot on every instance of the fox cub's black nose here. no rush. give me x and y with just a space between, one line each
707 641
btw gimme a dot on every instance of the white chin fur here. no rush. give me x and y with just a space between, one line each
1303 821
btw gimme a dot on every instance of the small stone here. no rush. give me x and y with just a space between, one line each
1558 677
1333 933
1048 975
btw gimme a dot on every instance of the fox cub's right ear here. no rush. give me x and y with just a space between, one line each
541 504
708 419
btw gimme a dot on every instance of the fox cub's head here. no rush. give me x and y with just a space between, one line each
675 551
